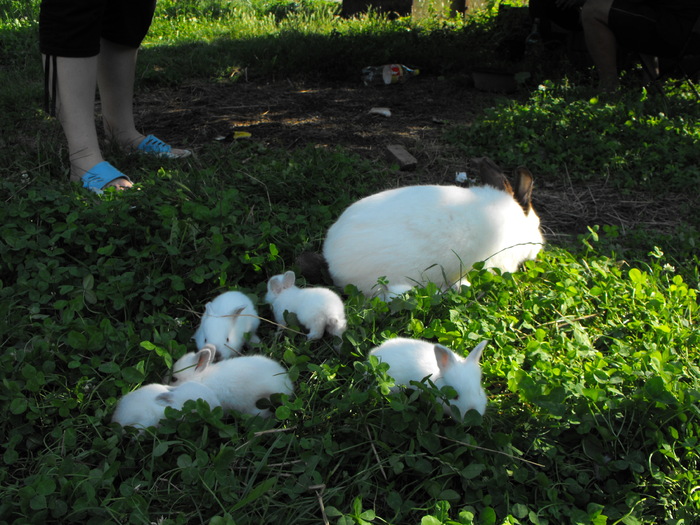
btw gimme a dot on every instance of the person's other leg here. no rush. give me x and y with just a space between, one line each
601 42
116 73
125 25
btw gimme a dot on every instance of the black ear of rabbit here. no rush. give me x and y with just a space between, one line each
491 174
524 182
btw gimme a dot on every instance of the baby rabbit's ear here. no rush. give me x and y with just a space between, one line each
288 279
475 355
445 358
165 399
204 358
236 313
274 285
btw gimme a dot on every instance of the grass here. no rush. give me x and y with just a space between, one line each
556 129
591 369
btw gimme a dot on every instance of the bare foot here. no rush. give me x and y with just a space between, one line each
77 174
120 184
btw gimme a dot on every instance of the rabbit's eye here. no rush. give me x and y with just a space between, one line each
173 380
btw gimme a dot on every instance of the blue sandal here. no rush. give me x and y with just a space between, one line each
101 174
152 145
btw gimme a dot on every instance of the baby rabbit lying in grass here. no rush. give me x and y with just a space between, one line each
413 360
145 406
241 382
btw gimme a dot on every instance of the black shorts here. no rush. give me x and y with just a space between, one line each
656 28
73 28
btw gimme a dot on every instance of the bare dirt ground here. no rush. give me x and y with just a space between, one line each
290 115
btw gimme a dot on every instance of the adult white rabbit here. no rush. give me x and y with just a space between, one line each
226 321
319 309
145 406
241 382
414 359
417 234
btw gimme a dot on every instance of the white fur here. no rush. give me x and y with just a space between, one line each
192 390
319 309
240 383
226 321
420 234
145 406
413 359
183 369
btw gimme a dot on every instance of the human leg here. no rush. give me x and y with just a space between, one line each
116 73
68 34
126 23
650 64
601 42
75 109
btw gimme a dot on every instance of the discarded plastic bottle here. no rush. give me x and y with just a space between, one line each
387 74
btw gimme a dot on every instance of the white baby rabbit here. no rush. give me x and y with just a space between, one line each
226 321
145 406
419 234
240 383
413 359
320 310
183 369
